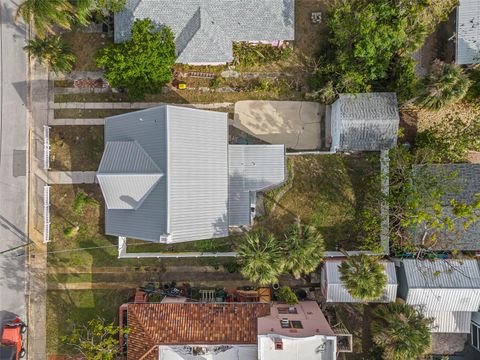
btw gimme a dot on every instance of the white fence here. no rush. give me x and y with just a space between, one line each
46 147
46 214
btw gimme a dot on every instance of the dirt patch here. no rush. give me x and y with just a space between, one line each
309 36
426 119
85 46
76 148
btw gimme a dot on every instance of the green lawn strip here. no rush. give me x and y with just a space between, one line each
269 197
88 113
329 193
69 308
225 244
85 46
63 83
76 148
133 276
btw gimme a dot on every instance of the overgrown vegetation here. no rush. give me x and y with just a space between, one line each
285 294
370 44
53 52
81 200
143 64
247 55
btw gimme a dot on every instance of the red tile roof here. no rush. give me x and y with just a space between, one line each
191 323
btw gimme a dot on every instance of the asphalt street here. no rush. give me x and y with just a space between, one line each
13 160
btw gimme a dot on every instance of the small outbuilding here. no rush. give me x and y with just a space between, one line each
364 122
335 291
467 50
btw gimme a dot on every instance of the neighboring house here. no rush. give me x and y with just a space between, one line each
448 291
364 122
468 32
334 290
475 331
223 331
205 29
462 183
169 175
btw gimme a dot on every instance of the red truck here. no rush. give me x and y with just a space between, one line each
11 347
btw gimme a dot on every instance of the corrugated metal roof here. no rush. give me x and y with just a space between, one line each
443 285
252 168
365 122
468 32
198 173
462 183
336 291
197 24
449 321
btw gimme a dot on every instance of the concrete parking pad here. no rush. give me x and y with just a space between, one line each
296 124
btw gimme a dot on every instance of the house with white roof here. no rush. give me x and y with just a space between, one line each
448 291
168 175
206 29
334 290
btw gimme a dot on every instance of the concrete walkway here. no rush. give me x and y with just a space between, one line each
128 105
98 121
71 177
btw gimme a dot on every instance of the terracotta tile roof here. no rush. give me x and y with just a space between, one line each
191 323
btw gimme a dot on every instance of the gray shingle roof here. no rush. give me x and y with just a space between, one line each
205 29
468 32
165 174
365 122
463 184
252 168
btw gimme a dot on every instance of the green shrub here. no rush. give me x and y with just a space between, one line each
82 199
473 94
71 231
143 64
286 295
248 55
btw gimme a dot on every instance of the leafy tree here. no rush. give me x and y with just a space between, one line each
400 331
367 37
47 15
261 258
445 85
98 340
451 139
363 276
286 295
304 250
143 63
53 52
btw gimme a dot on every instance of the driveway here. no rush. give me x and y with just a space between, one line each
13 145
296 124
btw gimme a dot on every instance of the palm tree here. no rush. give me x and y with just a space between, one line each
53 52
363 276
400 331
46 15
261 258
445 85
305 249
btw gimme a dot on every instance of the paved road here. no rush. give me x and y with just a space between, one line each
13 145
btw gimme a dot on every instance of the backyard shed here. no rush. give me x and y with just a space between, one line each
334 290
166 173
446 290
205 29
468 32
364 122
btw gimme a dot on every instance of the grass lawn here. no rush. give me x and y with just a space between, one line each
328 192
88 246
225 244
66 309
88 113
76 148
85 46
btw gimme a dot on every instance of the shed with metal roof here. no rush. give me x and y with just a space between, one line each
335 291
441 289
468 32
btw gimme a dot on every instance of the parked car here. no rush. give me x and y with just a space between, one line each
11 347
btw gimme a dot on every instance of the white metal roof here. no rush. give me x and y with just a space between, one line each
207 352
336 291
317 347
449 321
468 32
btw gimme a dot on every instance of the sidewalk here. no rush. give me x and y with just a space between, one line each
128 105
71 177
